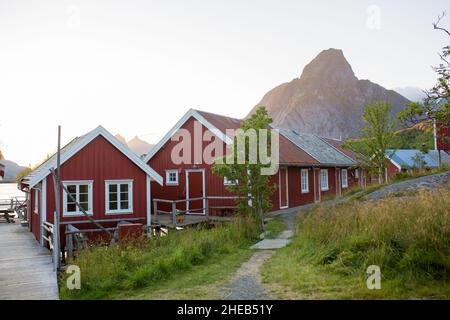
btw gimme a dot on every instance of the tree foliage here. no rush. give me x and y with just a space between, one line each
252 187
376 137
437 103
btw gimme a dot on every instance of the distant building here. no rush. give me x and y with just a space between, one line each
2 172
404 160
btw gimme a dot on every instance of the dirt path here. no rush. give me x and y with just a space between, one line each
246 283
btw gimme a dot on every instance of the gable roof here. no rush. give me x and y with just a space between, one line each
318 148
70 149
201 117
404 158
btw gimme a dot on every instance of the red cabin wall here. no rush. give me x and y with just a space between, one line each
98 161
443 136
35 217
391 170
163 161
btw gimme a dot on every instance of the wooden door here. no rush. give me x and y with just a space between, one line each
283 187
195 188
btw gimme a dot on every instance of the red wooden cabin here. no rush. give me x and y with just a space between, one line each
443 136
310 167
108 180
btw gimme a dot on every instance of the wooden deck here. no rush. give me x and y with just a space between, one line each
26 269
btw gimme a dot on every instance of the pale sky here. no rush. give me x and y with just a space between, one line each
136 67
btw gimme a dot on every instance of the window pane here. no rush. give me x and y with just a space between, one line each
84 197
84 205
124 205
112 205
124 188
124 196
71 207
113 197
83 188
113 188
71 188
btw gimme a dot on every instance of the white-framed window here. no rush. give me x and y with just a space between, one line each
81 191
119 196
36 201
172 177
230 182
324 179
357 173
304 180
344 179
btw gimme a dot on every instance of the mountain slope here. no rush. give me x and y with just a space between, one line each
328 99
11 170
138 146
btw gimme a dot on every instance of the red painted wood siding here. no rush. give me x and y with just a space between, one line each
443 136
162 161
35 217
99 161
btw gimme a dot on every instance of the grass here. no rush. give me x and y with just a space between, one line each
273 228
159 266
407 237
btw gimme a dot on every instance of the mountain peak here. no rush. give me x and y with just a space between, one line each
329 65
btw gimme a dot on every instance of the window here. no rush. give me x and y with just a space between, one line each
36 201
119 196
357 173
229 182
324 179
81 192
344 178
304 181
172 177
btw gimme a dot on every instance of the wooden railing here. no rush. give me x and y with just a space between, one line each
13 205
177 214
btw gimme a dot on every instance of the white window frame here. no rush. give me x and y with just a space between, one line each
36 201
227 182
344 178
357 173
77 183
324 186
130 196
172 183
304 183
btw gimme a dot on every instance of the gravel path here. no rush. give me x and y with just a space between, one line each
246 283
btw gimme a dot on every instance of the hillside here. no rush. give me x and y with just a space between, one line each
328 99
11 170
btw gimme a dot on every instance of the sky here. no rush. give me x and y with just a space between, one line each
136 67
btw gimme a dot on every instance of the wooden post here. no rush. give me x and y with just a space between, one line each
207 209
174 213
56 222
155 209
69 243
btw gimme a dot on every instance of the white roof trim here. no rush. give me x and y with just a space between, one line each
85 140
191 113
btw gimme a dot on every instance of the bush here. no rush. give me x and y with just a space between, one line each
105 270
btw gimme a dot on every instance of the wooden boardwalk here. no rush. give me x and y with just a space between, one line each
26 269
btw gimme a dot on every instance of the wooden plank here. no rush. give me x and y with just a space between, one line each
26 269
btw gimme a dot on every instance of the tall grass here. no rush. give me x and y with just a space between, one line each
408 237
106 270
